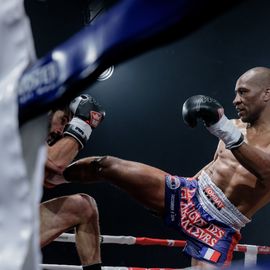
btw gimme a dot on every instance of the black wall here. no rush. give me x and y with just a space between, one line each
143 102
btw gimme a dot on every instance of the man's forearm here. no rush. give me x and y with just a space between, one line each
254 160
63 152
60 155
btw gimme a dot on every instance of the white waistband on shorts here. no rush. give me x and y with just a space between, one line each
228 214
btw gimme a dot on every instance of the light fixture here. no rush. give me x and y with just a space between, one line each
106 74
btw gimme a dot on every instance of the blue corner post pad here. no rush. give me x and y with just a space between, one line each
115 36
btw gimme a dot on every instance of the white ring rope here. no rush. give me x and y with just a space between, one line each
78 267
60 266
144 241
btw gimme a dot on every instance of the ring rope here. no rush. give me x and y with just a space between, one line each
250 251
78 267
146 241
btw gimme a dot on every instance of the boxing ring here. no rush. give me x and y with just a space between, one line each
250 251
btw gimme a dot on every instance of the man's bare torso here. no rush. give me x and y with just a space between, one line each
242 188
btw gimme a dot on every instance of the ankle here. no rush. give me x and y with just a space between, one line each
96 266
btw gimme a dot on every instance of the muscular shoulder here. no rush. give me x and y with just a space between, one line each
239 123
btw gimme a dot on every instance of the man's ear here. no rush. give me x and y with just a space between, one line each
266 94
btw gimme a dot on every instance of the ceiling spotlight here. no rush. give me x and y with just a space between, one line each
106 74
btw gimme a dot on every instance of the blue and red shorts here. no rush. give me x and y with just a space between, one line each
207 238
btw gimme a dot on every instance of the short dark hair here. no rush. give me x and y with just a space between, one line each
64 108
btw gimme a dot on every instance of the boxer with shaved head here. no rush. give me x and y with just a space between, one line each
211 207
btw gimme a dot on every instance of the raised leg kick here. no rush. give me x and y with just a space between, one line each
211 208
142 182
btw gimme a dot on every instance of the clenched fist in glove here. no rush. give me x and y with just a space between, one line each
87 115
212 114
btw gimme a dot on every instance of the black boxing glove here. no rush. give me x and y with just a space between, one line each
87 115
212 114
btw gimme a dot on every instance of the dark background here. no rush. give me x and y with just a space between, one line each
143 102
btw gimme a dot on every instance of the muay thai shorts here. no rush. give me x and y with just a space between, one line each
208 238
